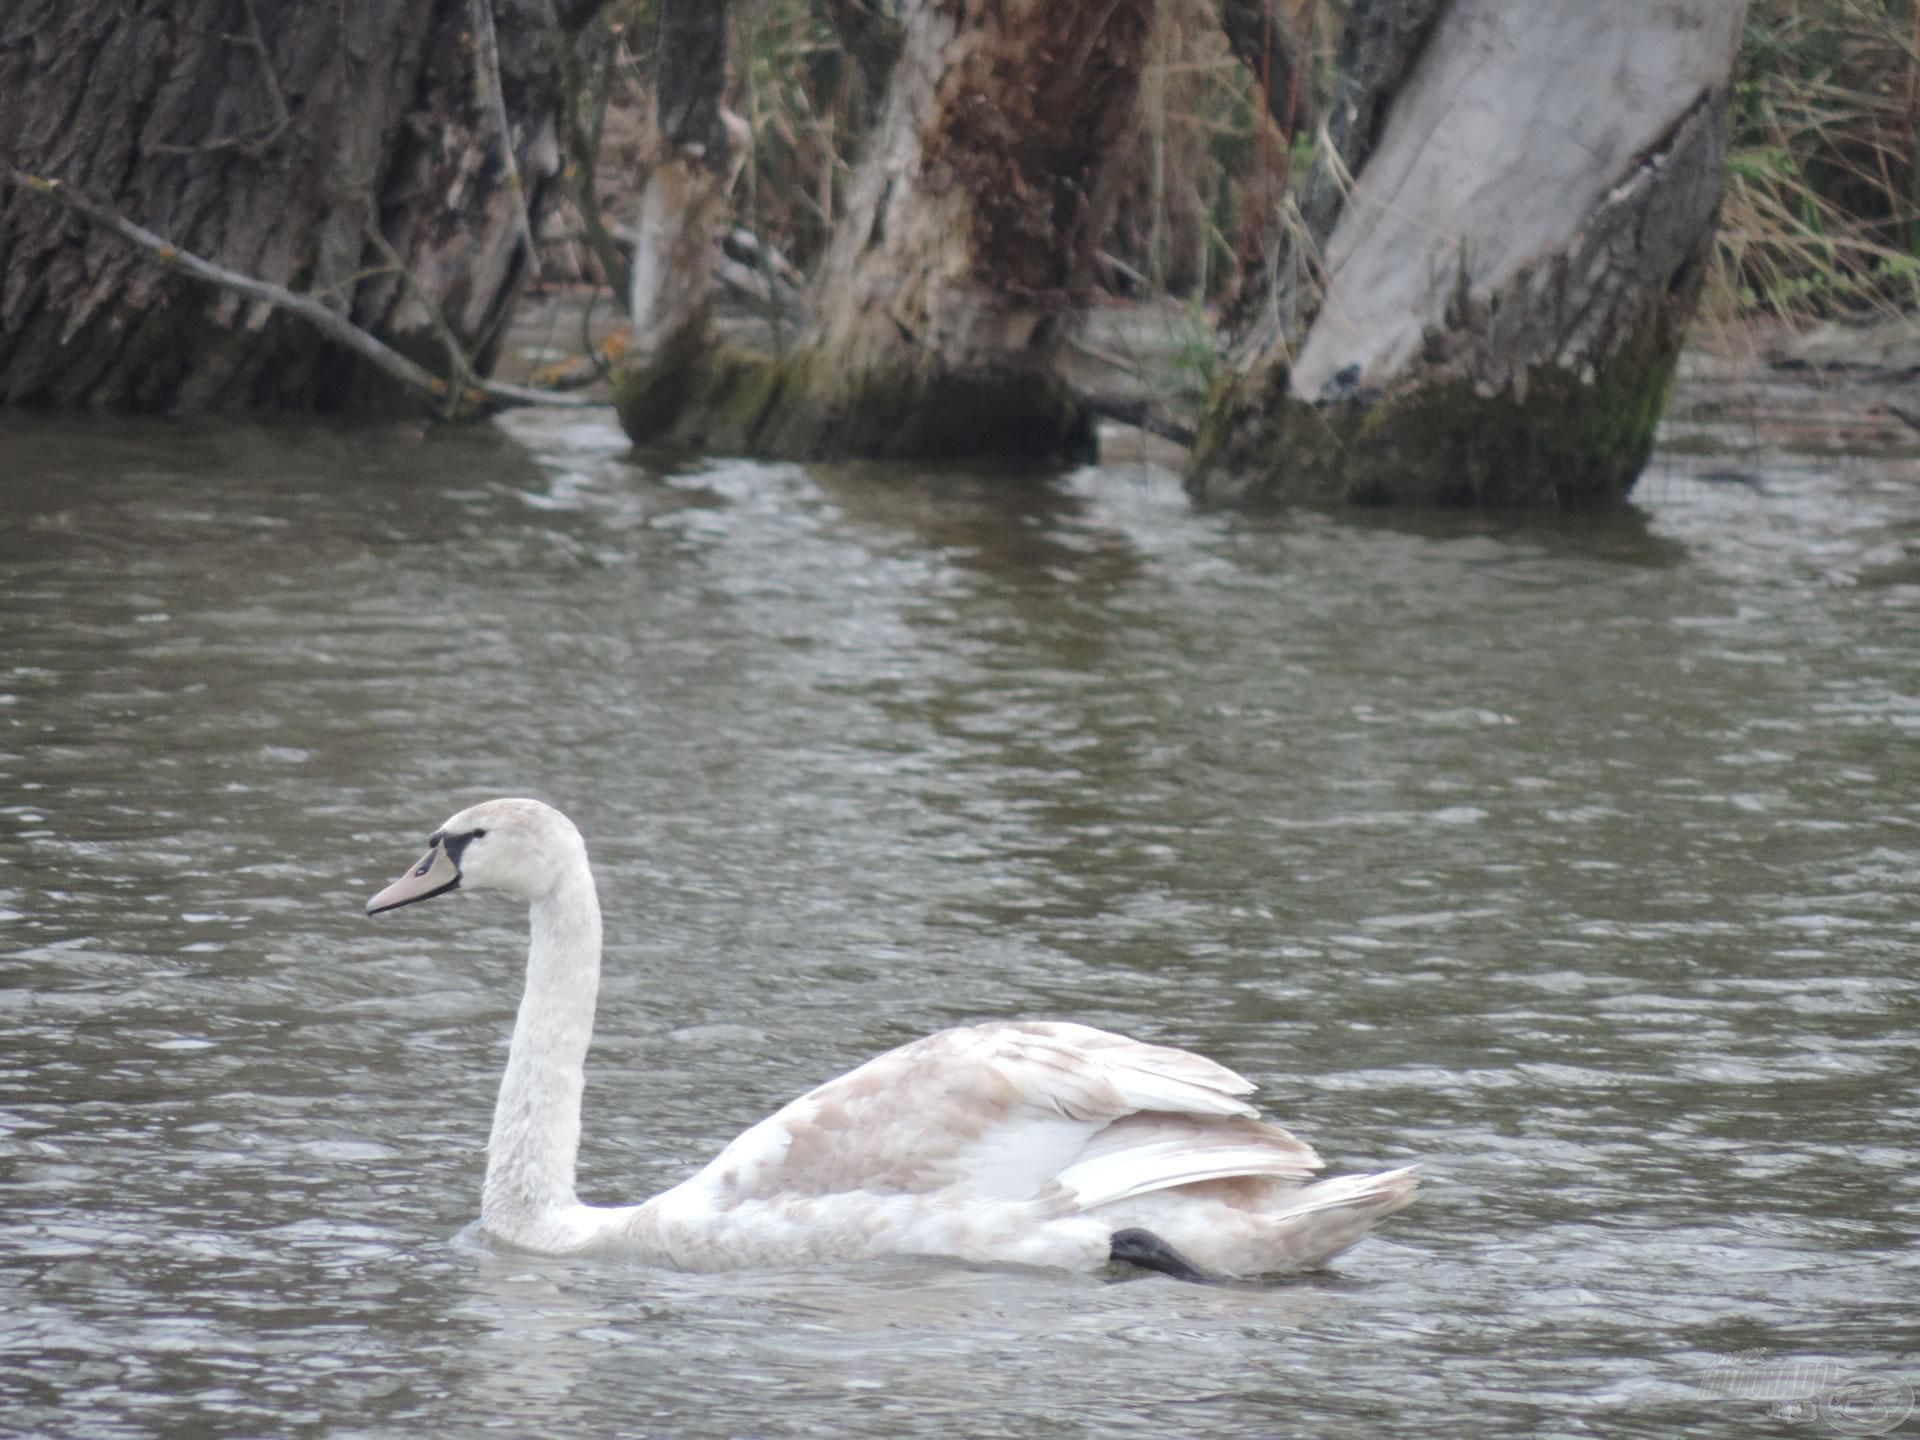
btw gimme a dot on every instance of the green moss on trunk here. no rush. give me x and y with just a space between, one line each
1560 442
734 402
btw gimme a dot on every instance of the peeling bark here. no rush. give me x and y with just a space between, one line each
968 241
272 140
681 210
680 203
1510 281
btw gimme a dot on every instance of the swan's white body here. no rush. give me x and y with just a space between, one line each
1029 1143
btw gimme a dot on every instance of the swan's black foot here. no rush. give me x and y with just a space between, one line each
1150 1252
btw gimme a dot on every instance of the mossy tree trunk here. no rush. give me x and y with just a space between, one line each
276 141
1508 283
966 246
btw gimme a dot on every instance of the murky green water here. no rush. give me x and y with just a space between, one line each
1574 858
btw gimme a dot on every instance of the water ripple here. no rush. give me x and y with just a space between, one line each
1571 857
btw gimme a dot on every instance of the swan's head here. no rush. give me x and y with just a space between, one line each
520 846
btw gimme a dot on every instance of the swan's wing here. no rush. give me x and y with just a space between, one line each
1011 1111
1138 1153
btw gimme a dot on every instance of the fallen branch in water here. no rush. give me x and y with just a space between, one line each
456 357
331 323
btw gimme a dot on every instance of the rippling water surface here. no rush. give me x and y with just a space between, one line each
1574 858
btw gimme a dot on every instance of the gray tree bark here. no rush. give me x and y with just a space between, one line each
681 208
967 243
1376 45
285 142
1509 280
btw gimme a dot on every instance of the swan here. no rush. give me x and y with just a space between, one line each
1035 1143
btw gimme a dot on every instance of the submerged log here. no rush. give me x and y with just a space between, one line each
967 243
1509 281
299 145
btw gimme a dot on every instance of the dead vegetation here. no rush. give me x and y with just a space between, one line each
1821 216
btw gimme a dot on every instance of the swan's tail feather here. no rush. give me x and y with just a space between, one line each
1324 1219
1249 1226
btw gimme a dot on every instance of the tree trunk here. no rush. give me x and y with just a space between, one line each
966 245
277 141
681 209
1379 41
1509 281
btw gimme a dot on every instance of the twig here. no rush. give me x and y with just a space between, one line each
456 357
1123 270
594 363
602 369
336 326
282 118
487 81
584 143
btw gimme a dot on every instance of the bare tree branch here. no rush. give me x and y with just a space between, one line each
330 322
282 118
456 357
486 61
583 146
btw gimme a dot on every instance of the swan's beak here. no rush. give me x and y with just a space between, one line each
434 875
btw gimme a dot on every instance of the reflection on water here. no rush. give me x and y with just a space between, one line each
1572 857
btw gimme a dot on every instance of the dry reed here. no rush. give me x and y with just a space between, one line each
1821 214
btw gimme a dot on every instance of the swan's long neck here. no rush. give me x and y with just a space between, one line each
536 1122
